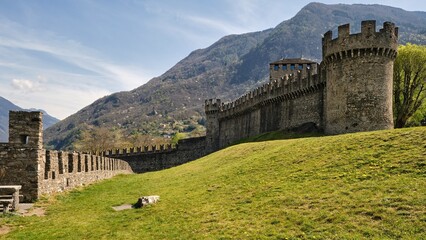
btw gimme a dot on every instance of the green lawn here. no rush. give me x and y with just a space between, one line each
354 186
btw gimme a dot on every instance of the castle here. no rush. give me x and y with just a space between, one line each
350 91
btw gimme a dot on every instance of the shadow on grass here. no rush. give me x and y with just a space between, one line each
304 131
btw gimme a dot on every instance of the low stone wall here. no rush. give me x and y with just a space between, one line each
65 170
44 172
153 160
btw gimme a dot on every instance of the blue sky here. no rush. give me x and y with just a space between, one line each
62 55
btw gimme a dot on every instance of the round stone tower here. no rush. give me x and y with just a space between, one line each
212 109
359 72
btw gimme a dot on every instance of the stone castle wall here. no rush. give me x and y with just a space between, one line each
66 170
24 162
351 92
283 104
157 158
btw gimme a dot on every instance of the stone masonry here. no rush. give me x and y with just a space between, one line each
155 158
23 161
350 91
359 75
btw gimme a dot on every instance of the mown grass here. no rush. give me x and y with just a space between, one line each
354 186
278 135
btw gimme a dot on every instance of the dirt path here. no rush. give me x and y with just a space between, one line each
5 230
25 210
28 209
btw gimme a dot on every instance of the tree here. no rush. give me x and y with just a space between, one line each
419 117
140 140
409 79
98 139
177 136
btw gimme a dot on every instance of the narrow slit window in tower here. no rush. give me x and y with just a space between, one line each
25 139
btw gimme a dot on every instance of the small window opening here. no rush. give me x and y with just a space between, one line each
308 66
276 67
284 67
25 139
292 67
300 67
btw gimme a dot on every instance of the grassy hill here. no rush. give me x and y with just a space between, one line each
355 186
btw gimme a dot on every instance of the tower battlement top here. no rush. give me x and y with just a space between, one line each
212 105
385 38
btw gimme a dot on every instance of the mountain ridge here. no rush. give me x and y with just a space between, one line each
227 69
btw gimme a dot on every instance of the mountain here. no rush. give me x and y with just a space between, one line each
6 106
230 67
302 35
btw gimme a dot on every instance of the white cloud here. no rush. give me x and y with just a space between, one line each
56 74
224 27
244 11
129 77
74 54
67 100
57 99
26 85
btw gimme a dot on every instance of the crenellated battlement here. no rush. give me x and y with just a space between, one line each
58 163
359 70
162 148
212 105
350 91
157 157
24 161
60 170
288 87
366 43
284 103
